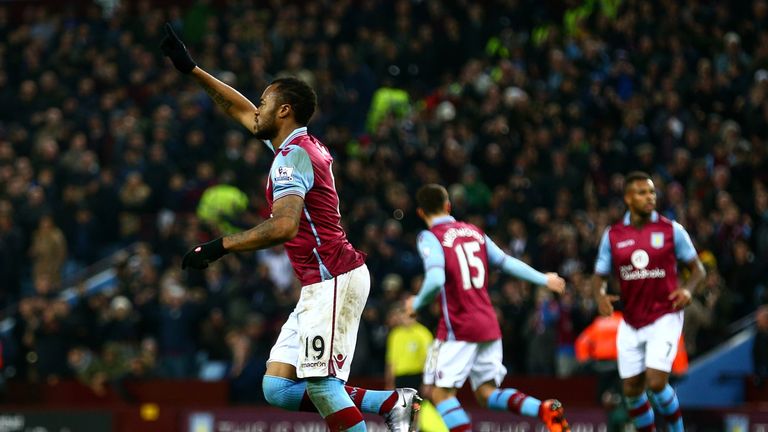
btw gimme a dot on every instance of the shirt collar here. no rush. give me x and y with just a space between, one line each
442 219
296 132
654 217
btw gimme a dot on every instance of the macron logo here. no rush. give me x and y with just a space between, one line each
624 243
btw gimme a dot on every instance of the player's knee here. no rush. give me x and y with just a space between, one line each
657 384
426 392
440 395
633 388
274 389
482 399
656 379
483 393
324 387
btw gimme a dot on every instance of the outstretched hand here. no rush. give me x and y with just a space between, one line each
555 283
175 49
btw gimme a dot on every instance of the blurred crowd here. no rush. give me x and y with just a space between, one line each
529 112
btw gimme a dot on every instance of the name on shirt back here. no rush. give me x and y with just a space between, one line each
452 234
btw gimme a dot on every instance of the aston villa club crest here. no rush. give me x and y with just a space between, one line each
657 240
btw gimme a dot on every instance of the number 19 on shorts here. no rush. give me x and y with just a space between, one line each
317 346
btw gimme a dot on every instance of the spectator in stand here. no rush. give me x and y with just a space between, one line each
46 333
48 250
701 316
542 326
178 317
246 368
11 253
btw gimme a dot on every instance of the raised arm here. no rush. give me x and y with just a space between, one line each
227 98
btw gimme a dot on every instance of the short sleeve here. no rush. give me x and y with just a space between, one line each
603 262
684 250
292 173
430 250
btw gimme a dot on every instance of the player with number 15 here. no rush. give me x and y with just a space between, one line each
456 259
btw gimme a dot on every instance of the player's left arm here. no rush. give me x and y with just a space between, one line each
431 253
514 267
280 228
292 177
685 252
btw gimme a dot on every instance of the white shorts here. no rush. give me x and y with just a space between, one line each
320 335
449 363
651 347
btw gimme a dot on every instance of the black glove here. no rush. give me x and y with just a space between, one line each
174 48
202 255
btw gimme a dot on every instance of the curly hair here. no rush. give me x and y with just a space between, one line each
299 95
